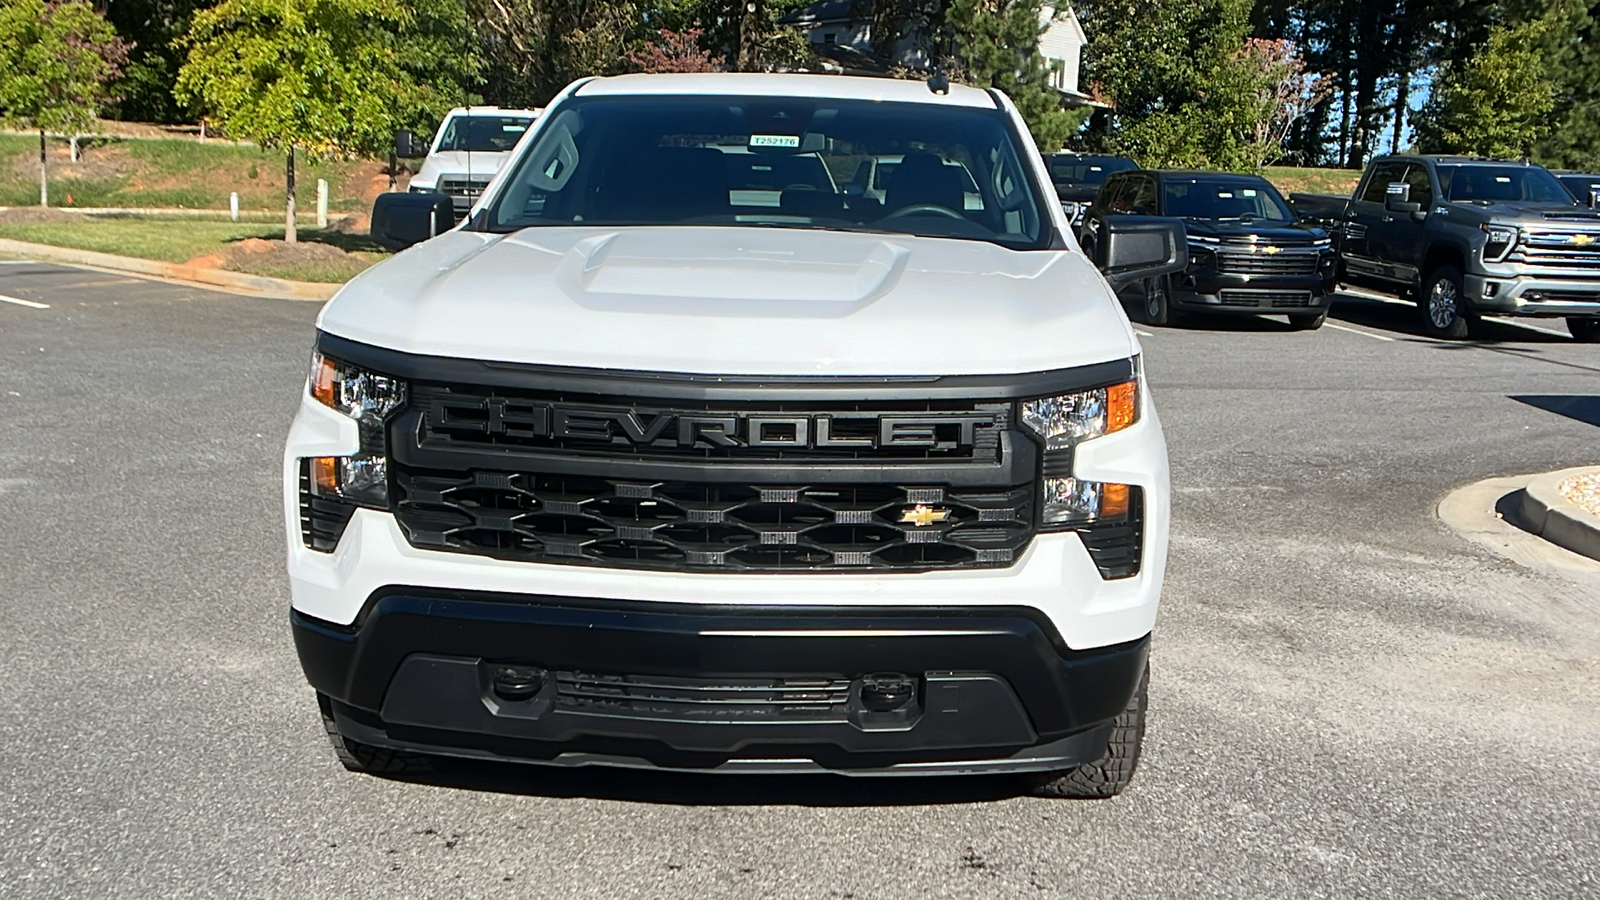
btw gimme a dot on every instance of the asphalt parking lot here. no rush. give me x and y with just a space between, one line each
1348 699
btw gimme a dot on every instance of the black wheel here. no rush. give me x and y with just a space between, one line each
1444 306
1109 775
1584 328
359 757
1157 308
1308 321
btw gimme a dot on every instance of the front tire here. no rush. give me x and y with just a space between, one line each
1444 306
1308 322
1157 308
1585 329
358 757
1109 775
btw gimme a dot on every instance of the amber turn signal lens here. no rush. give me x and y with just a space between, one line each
1113 501
323 380
325 474
1122 407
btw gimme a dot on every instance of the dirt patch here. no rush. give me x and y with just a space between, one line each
96 160
301 261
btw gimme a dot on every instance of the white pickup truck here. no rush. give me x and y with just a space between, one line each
471 145
676 455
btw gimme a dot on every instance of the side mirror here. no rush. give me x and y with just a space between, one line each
401 220
405 145
1128 249
1397 199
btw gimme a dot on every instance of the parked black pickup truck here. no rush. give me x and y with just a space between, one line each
1467 237
1248 252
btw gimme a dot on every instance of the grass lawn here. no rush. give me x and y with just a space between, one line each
176 172
329 256
1288 180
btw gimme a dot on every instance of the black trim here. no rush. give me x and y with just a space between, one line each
429 644
722 388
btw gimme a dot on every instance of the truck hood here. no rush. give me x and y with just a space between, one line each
480 164
1265 232
737 301
1529 214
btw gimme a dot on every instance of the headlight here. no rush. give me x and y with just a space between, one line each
1063 422
1501 239
369 398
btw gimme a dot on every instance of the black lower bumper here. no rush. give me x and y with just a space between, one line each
1216 292
727 688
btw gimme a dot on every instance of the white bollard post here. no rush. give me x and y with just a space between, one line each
322 203
233 205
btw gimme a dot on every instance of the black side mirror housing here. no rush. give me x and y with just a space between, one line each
1128 249
405 145
401 220
1397 199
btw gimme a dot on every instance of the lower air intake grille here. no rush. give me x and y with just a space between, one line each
712 527
1116 547
699 699
322 520
1265 299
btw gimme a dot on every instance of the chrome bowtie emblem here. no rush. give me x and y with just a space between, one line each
1582 240
923 516
1269 250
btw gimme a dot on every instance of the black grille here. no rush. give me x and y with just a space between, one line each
702 699
1116 547
462 187
1565 296
449 417
720 527
1264 299
322 520
1259 262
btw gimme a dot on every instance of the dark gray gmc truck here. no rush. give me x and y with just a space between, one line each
1468 237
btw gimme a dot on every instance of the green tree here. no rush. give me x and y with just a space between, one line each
155 27
534 48
996 44
1496 103
1574 139
57 58
321 77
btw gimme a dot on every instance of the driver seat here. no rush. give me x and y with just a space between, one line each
922 178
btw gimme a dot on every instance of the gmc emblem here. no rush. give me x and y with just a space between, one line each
501 416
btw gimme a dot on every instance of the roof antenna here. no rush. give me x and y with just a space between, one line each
939 83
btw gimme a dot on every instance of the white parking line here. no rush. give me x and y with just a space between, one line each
1376 337
1142 333
28 303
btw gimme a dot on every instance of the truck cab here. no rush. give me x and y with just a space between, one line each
471 145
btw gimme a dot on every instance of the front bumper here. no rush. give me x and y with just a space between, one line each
1214 292
687 686
1528 295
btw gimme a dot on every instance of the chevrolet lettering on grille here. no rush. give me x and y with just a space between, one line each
514 418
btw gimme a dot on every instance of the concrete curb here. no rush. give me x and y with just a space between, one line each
236 282
1543 511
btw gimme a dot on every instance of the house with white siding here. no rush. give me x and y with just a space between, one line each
841 32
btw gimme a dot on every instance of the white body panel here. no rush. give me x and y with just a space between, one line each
474 165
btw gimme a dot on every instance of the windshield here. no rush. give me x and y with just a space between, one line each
847 165
483 134
1222 199
1086 169
1503 184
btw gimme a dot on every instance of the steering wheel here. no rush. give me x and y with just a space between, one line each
924 209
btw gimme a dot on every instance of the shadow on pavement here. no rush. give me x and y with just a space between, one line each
1584 408
1406 319
690 789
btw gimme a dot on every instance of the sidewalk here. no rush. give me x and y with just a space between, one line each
234 282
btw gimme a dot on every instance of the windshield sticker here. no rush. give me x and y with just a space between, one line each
1225 195
1248 192
1503 179
785 141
